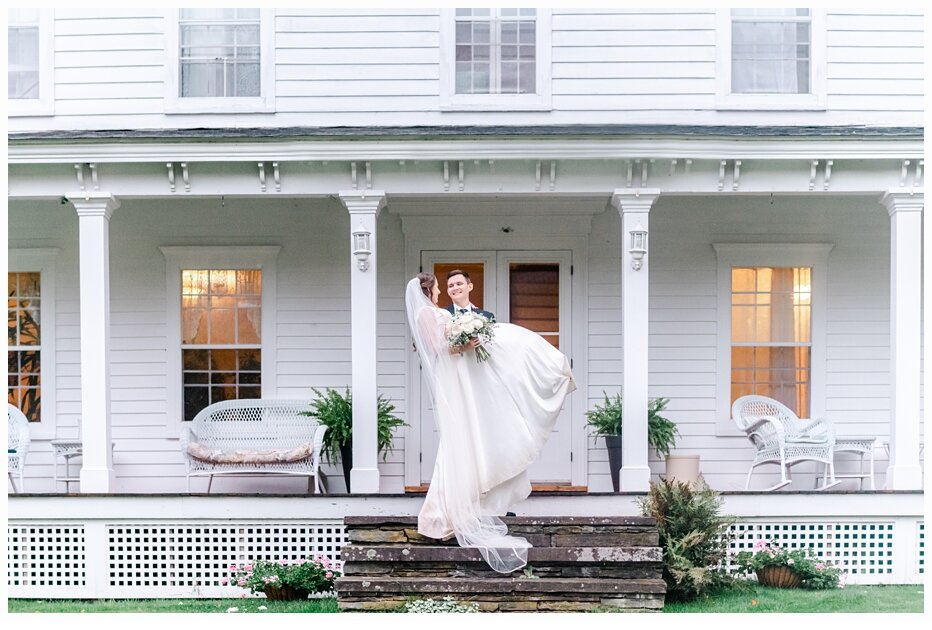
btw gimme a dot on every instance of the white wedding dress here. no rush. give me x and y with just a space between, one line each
493 418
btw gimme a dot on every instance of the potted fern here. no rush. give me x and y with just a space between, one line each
335 411
606 421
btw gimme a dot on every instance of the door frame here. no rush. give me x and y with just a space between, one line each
543 233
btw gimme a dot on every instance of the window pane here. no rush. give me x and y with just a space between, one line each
219 53
23 62
213 375
779 373
770 54
534 296
24 382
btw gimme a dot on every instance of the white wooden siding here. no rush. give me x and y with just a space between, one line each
382 66
313 334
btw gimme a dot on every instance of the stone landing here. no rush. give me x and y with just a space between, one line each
576 564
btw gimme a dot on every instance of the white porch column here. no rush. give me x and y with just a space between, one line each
94 212
364 207
634 208
905 211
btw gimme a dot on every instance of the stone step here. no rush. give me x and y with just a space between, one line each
566 531
536 555
367 586
503 594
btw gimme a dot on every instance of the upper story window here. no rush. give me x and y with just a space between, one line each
219 52
23 59
771 51
29 75
771 59
220 60
495 59
496 51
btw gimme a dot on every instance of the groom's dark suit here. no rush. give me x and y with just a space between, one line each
452 309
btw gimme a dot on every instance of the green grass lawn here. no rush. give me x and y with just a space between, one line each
247 604
851 599
751 598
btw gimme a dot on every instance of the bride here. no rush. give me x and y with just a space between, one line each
493 418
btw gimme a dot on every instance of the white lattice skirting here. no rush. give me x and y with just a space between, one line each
101 553
154 559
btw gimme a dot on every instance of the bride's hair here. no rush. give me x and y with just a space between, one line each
427 281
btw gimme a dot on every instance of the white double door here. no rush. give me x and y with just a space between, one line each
527 288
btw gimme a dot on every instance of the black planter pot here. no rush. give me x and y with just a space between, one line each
346 456
613 445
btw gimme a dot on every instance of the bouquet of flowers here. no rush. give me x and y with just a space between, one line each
464 327
813 572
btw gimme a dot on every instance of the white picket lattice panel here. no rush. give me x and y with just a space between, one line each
862 548
200 554
922 547
46 555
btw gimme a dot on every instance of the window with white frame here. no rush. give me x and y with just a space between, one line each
771 51
771 326
771 58
29 76
31 366
220 339
220 60
495 58
220 53
23 59
221 311
496 51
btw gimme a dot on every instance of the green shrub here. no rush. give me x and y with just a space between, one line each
693 535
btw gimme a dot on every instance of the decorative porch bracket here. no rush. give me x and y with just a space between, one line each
94 211
364 207
634 207
905 210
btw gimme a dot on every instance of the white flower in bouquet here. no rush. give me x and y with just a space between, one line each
468 326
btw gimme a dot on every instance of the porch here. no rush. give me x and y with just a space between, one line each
176 545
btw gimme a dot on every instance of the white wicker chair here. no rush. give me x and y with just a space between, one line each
17 445
254 425
780 437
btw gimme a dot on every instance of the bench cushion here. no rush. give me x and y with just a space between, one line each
246 456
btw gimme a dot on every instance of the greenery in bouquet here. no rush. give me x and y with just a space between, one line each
814 572
464 327
315 575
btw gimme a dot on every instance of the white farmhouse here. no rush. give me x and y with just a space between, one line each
207 204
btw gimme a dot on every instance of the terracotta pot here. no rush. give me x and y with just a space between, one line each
779 576
284 592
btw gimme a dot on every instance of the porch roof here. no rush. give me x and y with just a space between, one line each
466 131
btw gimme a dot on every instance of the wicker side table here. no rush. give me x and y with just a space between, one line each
862 446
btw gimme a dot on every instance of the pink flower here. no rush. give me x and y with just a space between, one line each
820 565
233 568
224 581
301 561
248 567
790 561
760 544
328 574
241 581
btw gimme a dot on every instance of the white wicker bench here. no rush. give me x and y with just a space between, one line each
253 437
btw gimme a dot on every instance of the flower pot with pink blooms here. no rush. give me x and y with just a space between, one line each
782 567
284 578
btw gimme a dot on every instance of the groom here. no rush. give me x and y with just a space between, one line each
458 287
